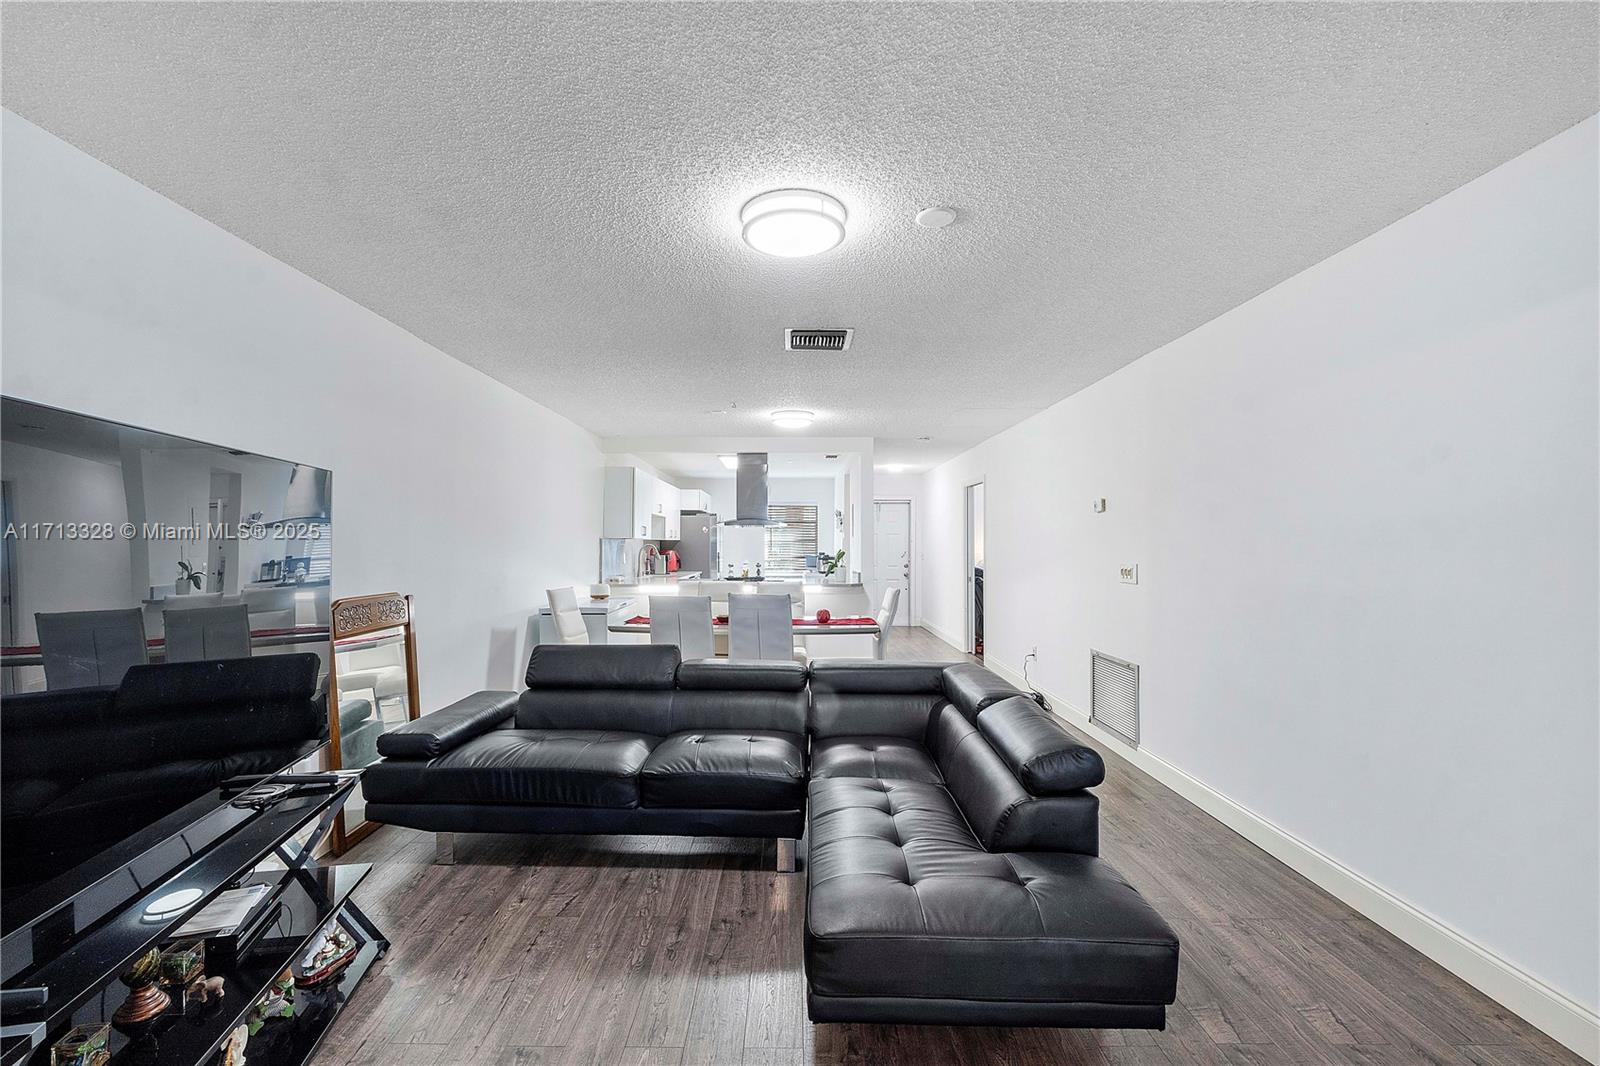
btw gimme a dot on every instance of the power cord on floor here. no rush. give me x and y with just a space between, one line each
1038 697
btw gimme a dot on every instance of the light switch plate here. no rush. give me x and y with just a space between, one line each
1100 505
1130 574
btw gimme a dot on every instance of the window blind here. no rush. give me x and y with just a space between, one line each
792 535
320 549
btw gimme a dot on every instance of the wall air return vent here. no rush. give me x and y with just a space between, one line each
1114 695
816 340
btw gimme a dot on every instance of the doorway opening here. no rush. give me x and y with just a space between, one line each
891 541
974 569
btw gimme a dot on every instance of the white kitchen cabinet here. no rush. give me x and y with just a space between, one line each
694 500
667 501
639 504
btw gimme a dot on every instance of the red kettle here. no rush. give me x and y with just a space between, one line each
672 561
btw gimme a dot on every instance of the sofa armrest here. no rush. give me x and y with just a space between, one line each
972 688
450 727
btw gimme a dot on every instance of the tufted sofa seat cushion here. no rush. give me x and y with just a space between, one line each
904 902
726 769
891 758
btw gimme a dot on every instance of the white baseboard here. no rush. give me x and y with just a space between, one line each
1557 1014
949 638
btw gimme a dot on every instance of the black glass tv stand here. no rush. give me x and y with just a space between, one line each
77 950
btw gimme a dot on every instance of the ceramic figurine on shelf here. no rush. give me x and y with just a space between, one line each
276 1002
330 957
233 1050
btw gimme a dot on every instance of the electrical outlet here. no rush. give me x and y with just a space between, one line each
1130 574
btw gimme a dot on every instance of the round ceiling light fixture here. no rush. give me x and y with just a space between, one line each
936 217
792 419
793 223
172 904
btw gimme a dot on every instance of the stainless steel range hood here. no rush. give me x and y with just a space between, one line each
750 490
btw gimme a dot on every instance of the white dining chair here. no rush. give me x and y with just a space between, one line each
197 633
684 621
566 617
885 618
90 648
761 627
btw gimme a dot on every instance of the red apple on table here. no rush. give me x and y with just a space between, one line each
823 616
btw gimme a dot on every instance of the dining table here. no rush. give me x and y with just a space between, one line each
804 626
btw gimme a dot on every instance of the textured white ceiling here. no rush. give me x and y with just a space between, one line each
550 192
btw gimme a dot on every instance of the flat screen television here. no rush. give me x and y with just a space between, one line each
151 586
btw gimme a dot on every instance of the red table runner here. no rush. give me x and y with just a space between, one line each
722 620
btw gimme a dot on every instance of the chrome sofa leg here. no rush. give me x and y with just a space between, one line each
786 855
444 849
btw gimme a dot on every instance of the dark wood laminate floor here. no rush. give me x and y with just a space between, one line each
653 951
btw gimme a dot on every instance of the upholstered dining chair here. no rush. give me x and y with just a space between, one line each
196 633
83 649
684 621
566 617
885 618
762 627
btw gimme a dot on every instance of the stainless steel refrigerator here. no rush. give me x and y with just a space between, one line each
697 543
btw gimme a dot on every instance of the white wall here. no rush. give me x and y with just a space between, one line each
447 485
1364 507
53 574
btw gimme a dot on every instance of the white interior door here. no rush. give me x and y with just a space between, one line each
891 543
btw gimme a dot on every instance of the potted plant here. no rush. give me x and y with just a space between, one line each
188 578
829 564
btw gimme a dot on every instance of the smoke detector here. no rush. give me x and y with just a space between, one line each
816 340
936 217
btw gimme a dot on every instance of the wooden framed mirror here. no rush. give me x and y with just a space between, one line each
372 688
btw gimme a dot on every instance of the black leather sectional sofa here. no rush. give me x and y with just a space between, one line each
952 871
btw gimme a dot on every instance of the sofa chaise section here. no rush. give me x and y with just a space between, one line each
952 875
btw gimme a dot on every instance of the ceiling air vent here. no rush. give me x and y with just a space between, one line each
816 340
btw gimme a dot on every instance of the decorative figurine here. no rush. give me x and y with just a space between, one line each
336 951
233 1050
145 1001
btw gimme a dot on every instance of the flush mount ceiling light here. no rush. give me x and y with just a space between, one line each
792 419
729 461
893 468
172 904
792 223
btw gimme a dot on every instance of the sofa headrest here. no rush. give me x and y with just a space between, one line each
253 681
1045 757
972 688
635 666
866 675
764 675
